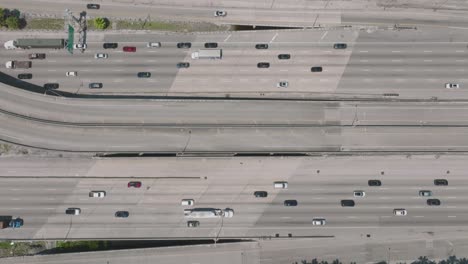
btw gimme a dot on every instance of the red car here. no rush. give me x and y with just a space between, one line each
129 49
135 184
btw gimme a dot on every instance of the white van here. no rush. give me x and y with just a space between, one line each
153 45
187 202
280 185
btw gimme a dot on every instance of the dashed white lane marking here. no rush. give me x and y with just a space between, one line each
418 216
366 70
363 51
352 217
226 39
363 60
396 51
396 60
117 70
427 60
459 60
451 216
274 37
459 51
52 61
324 34
52 70
428 51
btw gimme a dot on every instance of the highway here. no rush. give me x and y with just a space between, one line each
375 64
318 184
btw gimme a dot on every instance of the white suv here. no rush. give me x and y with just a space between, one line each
187 202
400 212
97 194
452 85
71 74
318 221
153 45
228 213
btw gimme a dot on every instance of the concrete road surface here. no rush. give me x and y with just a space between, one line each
378 63
39 191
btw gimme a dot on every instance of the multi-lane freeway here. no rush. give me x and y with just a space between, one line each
404 64
39 190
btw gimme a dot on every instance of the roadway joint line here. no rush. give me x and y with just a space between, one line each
274 37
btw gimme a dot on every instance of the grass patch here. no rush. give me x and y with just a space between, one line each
5 148
74 246
151 25
5 245
45 23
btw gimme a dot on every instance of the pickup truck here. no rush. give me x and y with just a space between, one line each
39 56
13 223
18 64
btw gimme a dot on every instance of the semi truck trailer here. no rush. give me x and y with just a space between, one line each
35 44
208 54
208 213
18 64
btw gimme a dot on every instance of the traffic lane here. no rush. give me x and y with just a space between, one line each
170 112
234 139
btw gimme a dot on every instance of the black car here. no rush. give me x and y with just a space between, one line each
316 69
347 203
443 182
110 45
25 76
290 202
122 214
51 85
211 45
193 223
284 56
261 46
95 85
263 65
433 202
144 74
340 46
374 183
93 6
184 45
261 194
182 65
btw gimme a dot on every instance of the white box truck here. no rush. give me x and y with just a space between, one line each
208 54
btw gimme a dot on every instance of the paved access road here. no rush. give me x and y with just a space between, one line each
318 184
271 13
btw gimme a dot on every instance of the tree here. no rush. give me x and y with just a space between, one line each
15 13
452 260
12 22
101 22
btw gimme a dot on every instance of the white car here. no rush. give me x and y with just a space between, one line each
400 212
97 194
80 46
359 193
452 85
72 74
425 193
220 13
187 202
282 84
100 56
280 185
228 213
153 45
318 221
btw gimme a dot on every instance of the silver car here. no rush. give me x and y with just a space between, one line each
282 84
425 193
100 56
359 193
